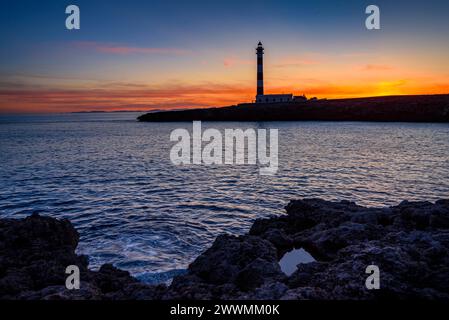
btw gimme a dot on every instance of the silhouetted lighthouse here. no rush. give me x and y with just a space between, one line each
259 52
267 98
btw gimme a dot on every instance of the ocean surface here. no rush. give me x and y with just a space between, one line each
113 178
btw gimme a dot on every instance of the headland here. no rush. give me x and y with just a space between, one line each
413 108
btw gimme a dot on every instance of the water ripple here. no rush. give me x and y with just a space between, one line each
113 178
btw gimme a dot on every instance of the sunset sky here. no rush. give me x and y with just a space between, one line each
144 55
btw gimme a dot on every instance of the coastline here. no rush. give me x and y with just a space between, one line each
409 242
419 108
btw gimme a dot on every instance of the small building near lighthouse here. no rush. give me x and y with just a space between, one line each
260 96
273 98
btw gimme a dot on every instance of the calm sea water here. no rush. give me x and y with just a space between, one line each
112 177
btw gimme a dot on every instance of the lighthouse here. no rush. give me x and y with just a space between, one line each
267 98
259 53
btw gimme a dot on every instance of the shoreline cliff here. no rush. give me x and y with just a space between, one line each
408 242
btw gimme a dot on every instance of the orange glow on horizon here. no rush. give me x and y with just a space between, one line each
224 82
147 99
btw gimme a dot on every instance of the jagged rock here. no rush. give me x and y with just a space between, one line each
256 273
230 255
34 254
268 291
305 293
409 243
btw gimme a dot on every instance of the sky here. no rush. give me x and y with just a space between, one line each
152 55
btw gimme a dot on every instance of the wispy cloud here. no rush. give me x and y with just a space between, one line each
377 67
17 95
118 96
297 61
124 50
234 61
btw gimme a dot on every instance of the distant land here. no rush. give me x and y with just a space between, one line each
107 111
416 108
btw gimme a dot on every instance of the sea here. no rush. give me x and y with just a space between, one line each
113 178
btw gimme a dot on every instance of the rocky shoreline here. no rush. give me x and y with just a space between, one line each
409 243
416 108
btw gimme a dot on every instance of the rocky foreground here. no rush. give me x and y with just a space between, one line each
409 243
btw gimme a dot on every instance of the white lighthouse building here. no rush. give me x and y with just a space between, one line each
260 96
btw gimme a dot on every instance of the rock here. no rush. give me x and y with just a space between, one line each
409 243
86 292
34 254
277 237
229 255
257 272
439 219
306 293
268 291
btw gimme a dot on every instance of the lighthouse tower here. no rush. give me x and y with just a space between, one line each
267 98
259 53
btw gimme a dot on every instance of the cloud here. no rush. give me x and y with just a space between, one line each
288 62
119 96
284 62
233 61
125 50
377 67
17 96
